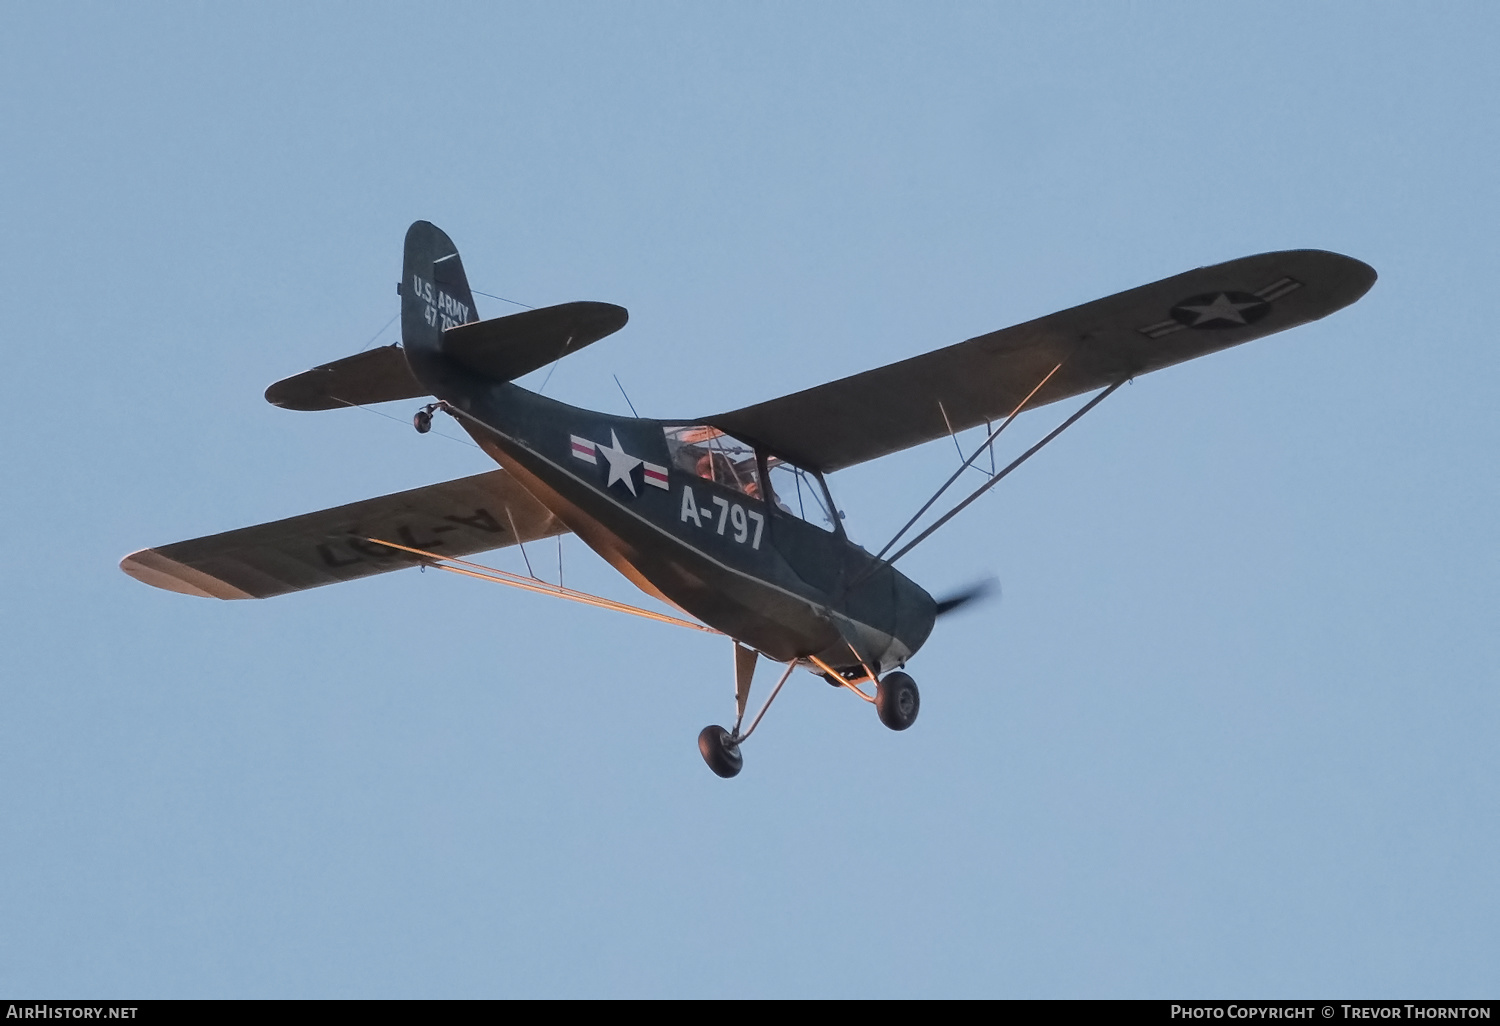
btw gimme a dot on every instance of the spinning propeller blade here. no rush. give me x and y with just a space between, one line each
982 589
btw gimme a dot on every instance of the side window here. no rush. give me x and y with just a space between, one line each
799 493
709 453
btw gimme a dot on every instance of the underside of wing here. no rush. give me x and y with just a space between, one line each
453 518
983 379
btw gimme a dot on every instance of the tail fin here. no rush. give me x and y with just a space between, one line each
435 292
435 300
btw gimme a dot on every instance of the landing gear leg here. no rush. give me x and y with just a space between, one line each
721 748
896 698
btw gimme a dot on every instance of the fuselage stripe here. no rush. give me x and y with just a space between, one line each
583 449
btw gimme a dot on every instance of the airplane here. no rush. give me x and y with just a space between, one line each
727 518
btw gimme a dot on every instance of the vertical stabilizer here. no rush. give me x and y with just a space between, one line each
435 292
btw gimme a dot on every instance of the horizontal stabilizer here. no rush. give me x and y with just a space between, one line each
504 348
454 518
377 376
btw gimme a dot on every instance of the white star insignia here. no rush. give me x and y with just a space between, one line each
1221 309
621 463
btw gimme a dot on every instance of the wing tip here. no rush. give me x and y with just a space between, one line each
1351 276
150 567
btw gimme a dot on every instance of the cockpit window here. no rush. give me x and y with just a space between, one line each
709 453
799 493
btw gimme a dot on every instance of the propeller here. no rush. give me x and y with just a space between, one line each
959 599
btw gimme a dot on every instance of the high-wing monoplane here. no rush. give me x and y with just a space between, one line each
726 518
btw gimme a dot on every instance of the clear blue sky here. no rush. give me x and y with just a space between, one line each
1230 731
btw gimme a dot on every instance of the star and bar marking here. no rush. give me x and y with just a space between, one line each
621 464
1224 309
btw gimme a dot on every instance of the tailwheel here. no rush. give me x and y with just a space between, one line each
422 419
897 700
721 751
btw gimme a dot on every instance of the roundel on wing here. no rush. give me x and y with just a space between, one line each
1220 310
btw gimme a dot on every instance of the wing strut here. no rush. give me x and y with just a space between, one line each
997 478
486 573
988 442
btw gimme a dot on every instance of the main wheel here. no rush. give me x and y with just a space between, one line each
720 751
422 421
897 700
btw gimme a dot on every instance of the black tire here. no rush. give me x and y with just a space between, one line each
720 752
897 700
422 421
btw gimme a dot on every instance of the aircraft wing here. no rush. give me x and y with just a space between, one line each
903 404
453 518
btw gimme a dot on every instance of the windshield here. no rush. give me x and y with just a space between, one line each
799 493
